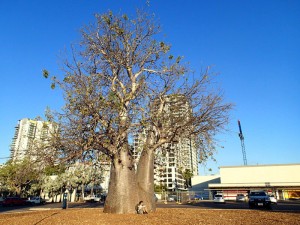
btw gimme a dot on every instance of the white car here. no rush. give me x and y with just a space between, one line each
97 198
89 198
240 198
273 199
219 198
172 198
36 200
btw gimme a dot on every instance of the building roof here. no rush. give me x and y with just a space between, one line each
261 165
285 185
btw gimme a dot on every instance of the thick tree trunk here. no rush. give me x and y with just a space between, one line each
145 173
145 180
122 193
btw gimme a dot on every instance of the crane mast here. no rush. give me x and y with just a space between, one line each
242 143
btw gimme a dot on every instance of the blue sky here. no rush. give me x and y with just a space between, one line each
253 45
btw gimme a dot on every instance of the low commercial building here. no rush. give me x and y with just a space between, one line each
200 185
283 180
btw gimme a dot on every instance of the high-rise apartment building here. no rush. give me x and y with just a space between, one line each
172 159
29 133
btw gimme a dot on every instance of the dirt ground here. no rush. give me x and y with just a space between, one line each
160 217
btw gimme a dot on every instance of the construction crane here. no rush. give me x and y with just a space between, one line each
242 143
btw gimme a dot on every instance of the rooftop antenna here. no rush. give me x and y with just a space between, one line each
242 143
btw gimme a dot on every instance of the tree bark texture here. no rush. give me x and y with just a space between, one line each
145 173
122 193
145 176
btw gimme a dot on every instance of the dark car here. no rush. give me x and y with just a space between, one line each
11 201
197 197
259 199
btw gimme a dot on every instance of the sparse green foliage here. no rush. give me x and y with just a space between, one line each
125 17
187 175
54 170
45 73
119 82
160 188
71 178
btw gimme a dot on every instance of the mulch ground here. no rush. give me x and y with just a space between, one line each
166 216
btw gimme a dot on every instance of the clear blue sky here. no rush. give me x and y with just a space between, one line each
253 45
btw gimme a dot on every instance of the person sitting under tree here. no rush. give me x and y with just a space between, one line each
141 208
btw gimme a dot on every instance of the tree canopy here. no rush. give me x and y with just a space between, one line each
121 80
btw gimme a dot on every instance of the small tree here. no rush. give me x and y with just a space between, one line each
187 175
83 175
19 176
120 81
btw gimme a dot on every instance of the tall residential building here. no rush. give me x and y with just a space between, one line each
29 133
172 159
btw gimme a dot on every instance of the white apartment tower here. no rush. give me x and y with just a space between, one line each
174 158
29 132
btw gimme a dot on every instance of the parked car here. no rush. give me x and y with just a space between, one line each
219 198
259 199
172 198
89 197
273 199
197 197
11 201
97 198
36 200
240 198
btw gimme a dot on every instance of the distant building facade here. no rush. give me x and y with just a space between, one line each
27 133
172 159
200 185
282 180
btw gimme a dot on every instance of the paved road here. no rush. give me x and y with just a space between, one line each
281 206
286 206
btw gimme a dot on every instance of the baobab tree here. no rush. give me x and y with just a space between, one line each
121 80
